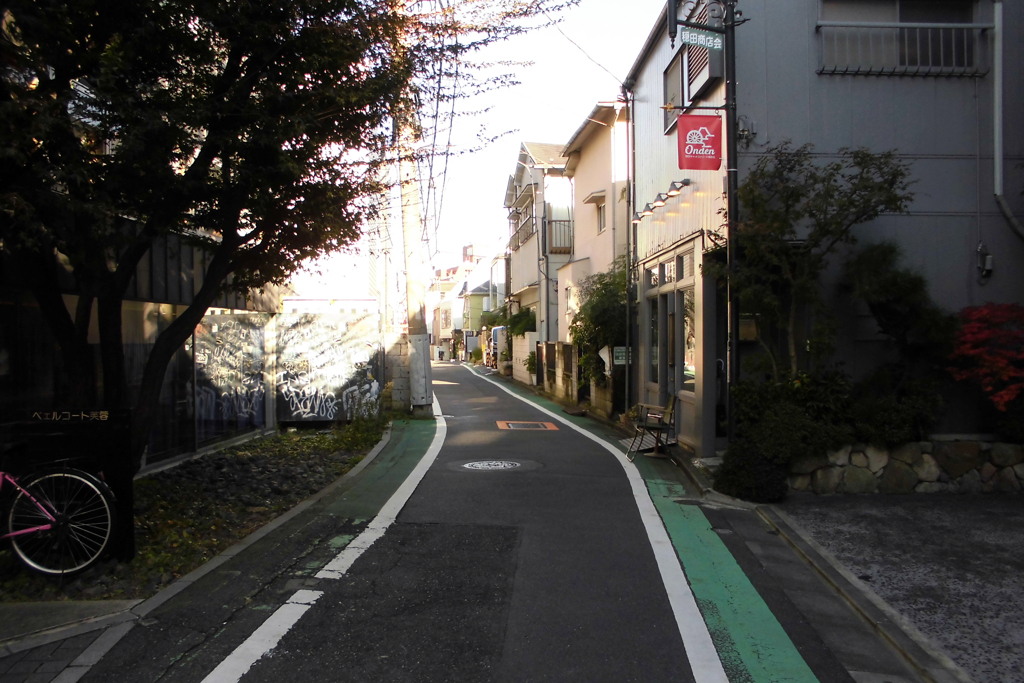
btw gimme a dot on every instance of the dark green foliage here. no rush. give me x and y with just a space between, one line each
531 362
495 318
900 401
795 213
891 408
601 318
779 422
520 323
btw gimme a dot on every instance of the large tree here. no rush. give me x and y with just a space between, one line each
254 130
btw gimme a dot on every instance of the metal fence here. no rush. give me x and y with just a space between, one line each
903 49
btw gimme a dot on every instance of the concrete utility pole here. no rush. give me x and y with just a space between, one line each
421 389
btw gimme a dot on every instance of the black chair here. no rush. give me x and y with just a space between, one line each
653 420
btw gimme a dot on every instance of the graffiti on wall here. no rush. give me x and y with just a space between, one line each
229 361
328 366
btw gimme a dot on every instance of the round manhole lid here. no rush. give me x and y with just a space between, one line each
491 465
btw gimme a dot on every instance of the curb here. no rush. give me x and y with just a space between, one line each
923 656
127 618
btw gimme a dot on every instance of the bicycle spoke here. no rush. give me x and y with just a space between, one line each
82 533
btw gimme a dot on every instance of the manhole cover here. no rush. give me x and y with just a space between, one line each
491 465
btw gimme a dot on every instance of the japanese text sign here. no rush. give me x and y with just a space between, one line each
700 142
701 39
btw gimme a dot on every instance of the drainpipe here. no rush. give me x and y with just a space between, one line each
997 123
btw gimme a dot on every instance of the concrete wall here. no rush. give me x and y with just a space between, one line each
521 348
396 370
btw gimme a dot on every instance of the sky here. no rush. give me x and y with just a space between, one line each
555 95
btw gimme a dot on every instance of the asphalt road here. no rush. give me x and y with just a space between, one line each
566 564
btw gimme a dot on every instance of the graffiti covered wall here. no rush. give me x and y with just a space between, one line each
229 363
328 366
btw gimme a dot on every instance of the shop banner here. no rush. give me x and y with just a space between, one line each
700 142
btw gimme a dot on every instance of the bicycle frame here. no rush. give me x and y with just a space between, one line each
4 477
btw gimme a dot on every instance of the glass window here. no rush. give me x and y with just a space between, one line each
651 277
689 343
669 272
673 90
601 219
653 376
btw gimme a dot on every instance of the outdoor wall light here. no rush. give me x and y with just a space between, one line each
677 187
637 218
659 200
648 211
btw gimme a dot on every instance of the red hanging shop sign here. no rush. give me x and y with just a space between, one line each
700 142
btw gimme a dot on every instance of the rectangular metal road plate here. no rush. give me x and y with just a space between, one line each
537 426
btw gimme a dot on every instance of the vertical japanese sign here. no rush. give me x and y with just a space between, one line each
700 142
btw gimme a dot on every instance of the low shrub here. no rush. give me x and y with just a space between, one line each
889 408
477 355
779 422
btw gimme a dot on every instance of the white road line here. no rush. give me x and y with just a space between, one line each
700 650
264 639
267 636
337 567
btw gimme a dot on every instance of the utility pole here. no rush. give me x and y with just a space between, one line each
420 387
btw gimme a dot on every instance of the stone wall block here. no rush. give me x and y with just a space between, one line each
927 470
1019 470
958 457
931 487
859 459
1007 454
926 446
909 453
1006 481
970 482
878 458
987 471
809 464
799 482
859 480
842 456
826 479
898 477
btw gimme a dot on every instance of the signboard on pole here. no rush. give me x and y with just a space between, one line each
700 142
698 38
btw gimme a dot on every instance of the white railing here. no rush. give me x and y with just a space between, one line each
902 49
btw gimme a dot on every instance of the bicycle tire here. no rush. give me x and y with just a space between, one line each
84 510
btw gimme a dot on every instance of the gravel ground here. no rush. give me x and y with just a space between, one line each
185 515
952 564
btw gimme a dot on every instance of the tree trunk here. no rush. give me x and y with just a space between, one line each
38 270
118 469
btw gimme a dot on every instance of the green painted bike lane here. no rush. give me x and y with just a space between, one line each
363 498
750 641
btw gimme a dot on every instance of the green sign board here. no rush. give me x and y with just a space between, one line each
697 38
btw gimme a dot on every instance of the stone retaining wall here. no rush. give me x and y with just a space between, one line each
921 467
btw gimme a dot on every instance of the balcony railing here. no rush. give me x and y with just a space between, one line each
902 49
559 237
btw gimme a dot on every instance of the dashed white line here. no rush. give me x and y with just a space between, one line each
267 636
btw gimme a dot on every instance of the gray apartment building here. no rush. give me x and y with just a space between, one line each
940 81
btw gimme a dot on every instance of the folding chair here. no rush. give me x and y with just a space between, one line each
654 420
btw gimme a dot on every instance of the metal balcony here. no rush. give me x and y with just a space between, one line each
559 237
858 48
